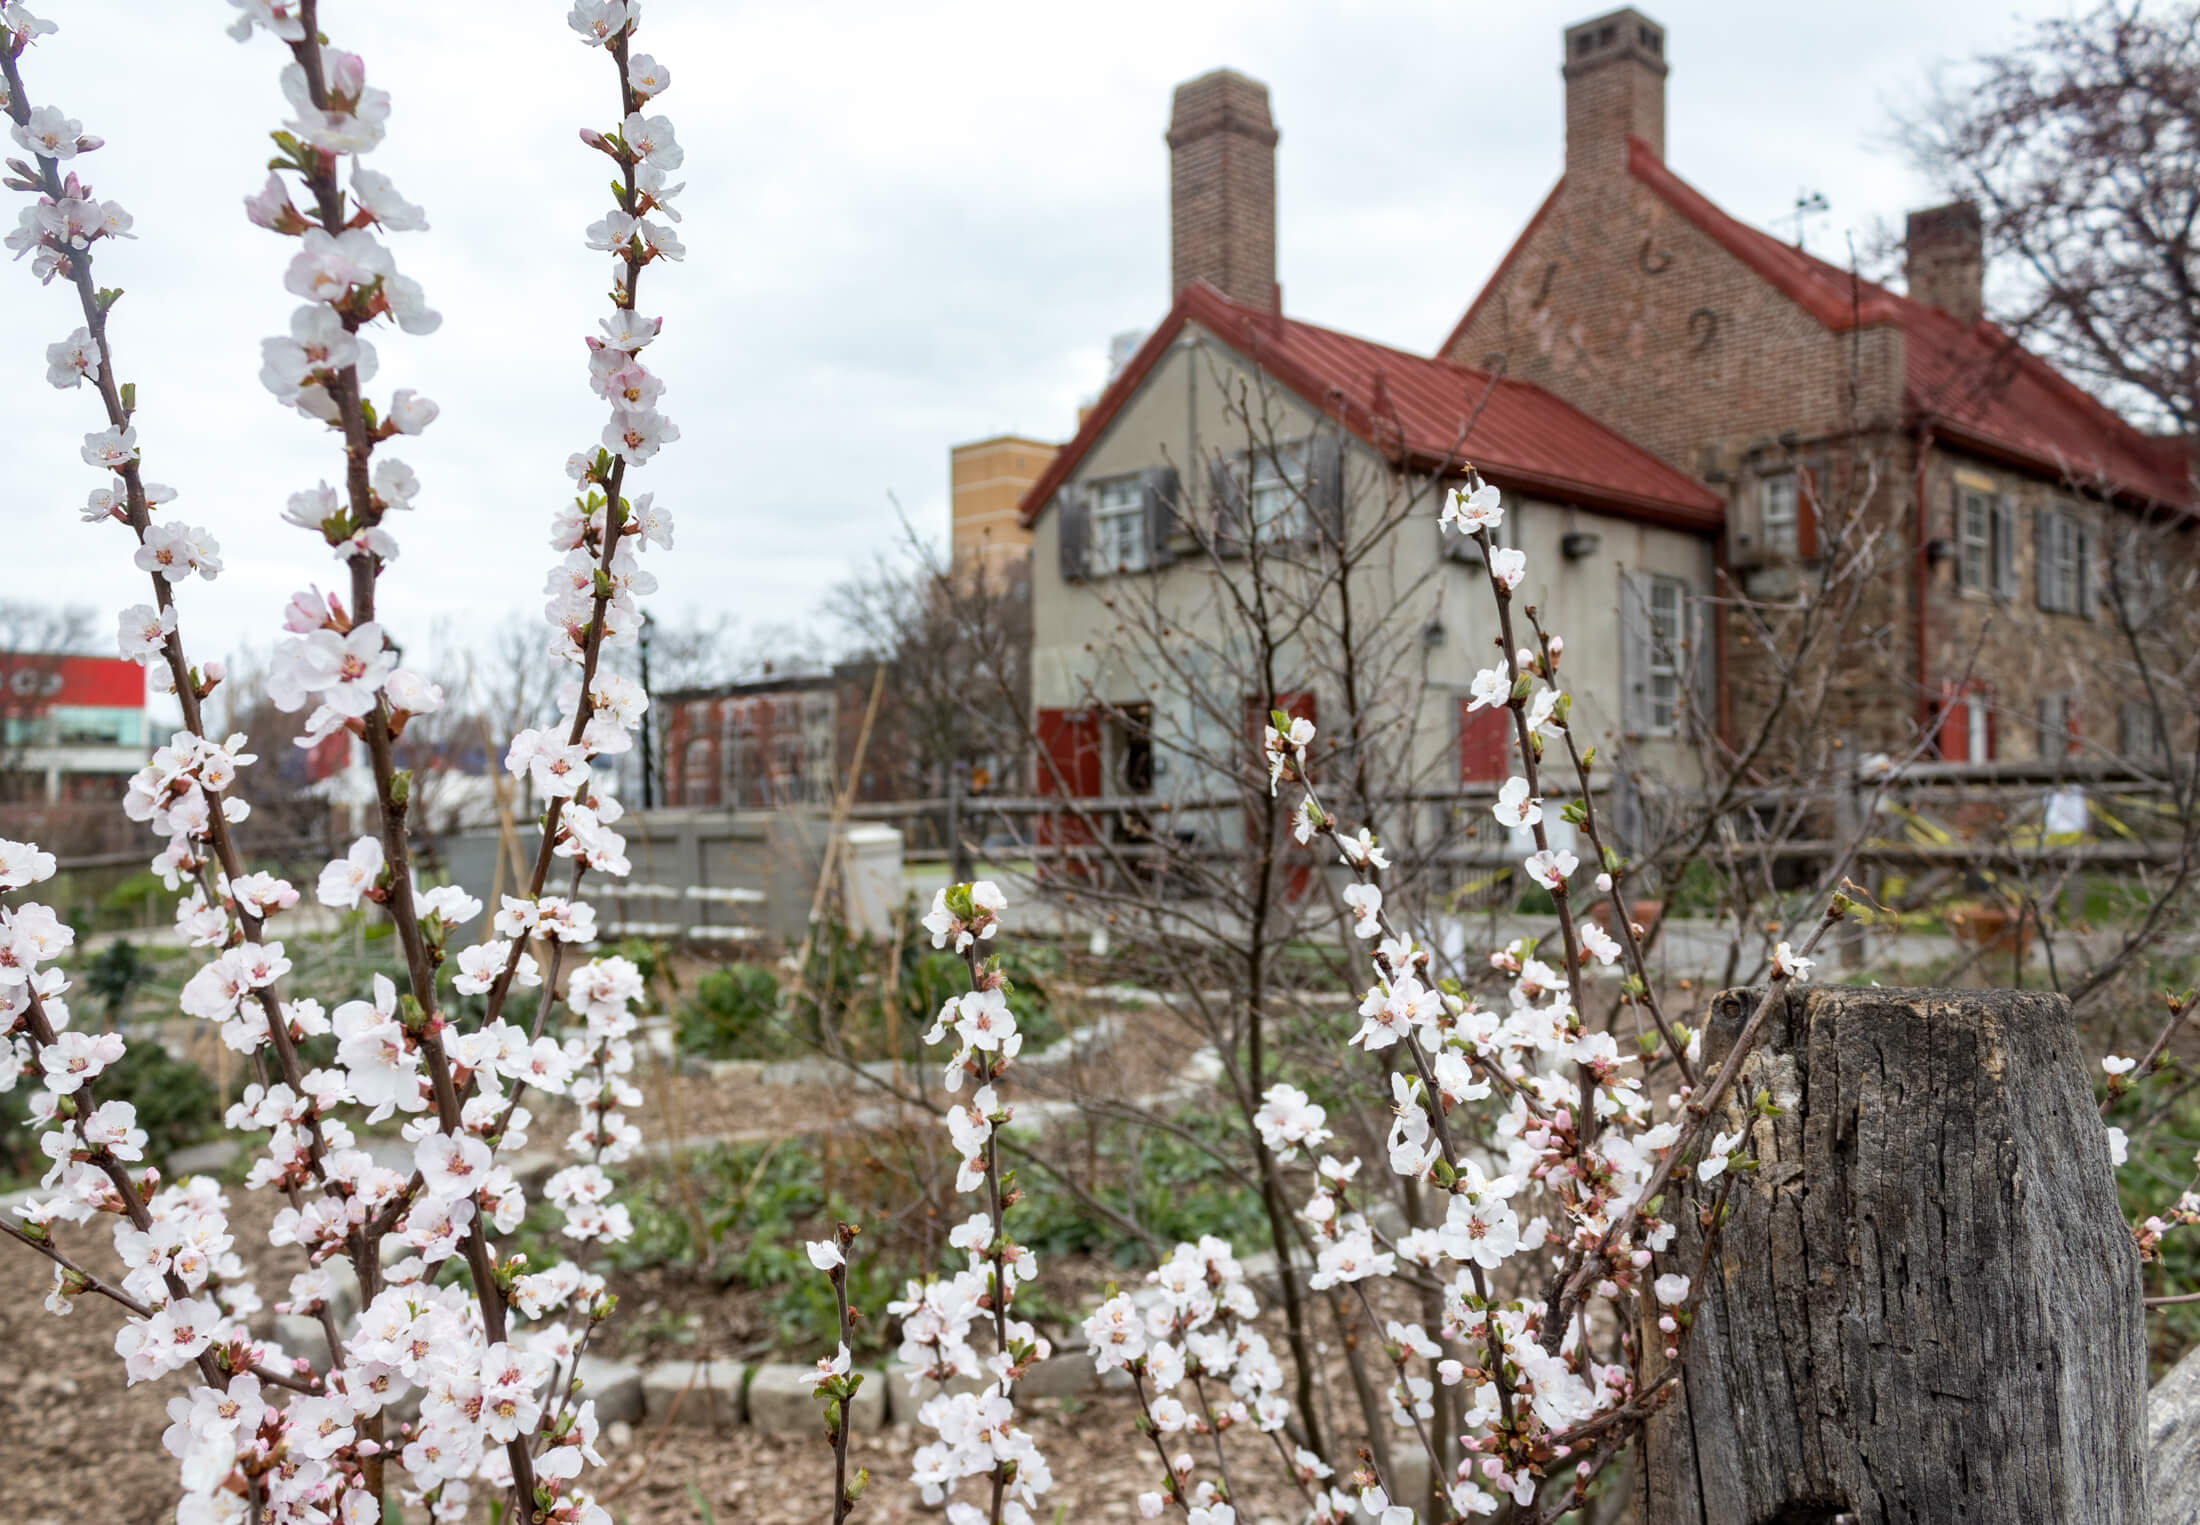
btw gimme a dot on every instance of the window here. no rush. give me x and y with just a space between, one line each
1278 497
2063 545
1777 518
2058 726
1668 628
1119 526
2137 737
1974 540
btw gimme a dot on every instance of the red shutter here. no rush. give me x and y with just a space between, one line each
1959 700
1807 485
1485 744
1955 723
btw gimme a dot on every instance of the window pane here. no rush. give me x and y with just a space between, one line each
1975 534
1119 525
1778 516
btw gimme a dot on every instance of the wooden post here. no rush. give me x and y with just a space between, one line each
1925 1306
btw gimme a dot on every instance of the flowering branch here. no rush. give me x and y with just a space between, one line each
836 1384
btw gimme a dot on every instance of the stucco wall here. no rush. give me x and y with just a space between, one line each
1183 416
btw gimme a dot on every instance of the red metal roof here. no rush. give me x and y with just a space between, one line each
1977 386
1439 416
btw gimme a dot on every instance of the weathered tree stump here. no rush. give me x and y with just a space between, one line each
1925 1307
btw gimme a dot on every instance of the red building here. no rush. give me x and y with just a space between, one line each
71 728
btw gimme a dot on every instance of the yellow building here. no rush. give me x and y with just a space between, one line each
988 479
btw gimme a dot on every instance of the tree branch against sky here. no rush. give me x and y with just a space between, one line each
2081 145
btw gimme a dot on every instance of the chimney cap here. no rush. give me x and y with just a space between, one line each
1221 100
1624 33
1956 220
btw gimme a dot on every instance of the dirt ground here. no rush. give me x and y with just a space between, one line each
77 1447
72 1434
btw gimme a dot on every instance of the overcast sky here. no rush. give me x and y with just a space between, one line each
908 225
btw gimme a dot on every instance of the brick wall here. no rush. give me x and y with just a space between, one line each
1222 188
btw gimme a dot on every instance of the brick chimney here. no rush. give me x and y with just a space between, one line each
1222 189
1945 256
1615 89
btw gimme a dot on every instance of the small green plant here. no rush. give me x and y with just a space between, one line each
176 1106
733 1015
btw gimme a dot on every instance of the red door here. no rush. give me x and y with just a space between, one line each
1070 765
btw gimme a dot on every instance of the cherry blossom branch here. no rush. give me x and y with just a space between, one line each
836 1383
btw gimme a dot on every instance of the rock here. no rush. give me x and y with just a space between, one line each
782 1400
345 1304
1409 1471
616 1386
2173 1444
207 1159
1059 1376
619 1434
707 1393
303 1336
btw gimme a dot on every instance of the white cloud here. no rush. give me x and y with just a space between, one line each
907 225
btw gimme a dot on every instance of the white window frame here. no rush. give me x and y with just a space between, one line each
1276 492
1780 513
1975 541
1662 662
1116 527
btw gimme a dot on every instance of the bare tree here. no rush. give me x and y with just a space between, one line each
2081 147
957 641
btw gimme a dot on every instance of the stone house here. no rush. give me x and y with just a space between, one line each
1825 411
1242 447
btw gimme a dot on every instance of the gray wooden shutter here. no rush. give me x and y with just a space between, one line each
1158 485
1325 487
1703 662
1071 531
1634 652
2005 547
2043 558
2085 570
1226 487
